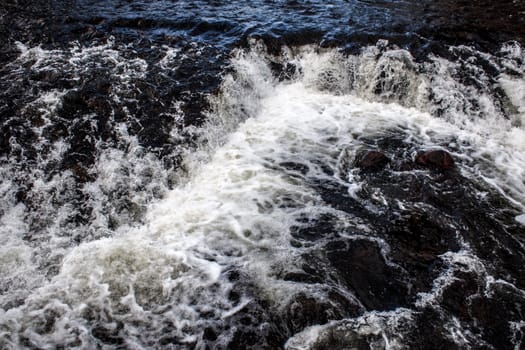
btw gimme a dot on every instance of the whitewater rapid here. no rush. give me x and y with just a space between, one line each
251 182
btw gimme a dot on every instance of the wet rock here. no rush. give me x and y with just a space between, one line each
73 104
496 314
428 331
253 327
416 239
24 136
364 270
48 76
336 195
82 152
437 159
21 195
98 85
283 71
422 236
301 277
461 289
305 310
209 334
313 229
371 160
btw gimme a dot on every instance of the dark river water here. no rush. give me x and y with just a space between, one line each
262 174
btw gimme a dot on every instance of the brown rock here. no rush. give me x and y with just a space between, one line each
371 160
438 159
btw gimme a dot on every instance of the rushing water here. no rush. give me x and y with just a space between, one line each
185 175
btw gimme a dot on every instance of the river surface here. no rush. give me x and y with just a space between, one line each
190 174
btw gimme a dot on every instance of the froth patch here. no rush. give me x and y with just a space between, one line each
120 268
521 219
377 330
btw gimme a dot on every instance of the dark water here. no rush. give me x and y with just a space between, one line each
202 175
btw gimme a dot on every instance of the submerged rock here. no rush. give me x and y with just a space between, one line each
365 271
437 159
371 160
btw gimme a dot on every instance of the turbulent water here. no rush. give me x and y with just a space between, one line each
185 175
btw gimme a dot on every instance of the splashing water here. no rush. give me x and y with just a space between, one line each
242 238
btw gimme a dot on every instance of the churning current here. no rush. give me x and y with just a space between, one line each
262 175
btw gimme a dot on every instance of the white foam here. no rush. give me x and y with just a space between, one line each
170 58
521 219
47 232
515 90
518 330
383 330
464 261
19 274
